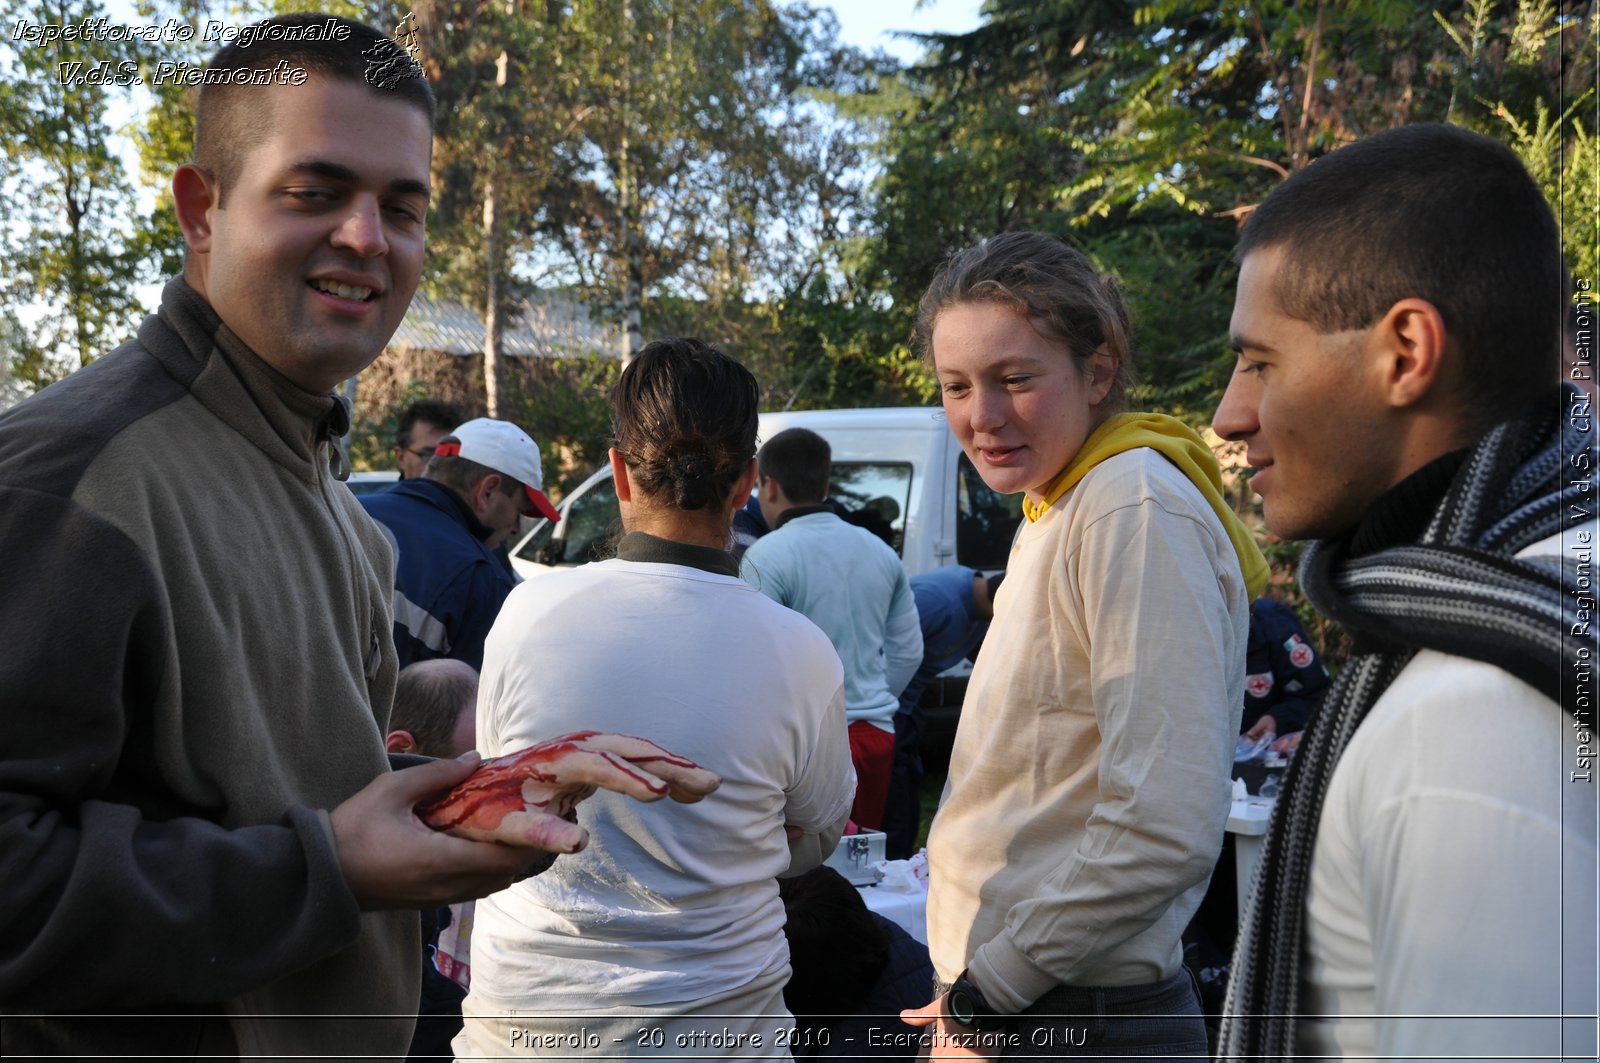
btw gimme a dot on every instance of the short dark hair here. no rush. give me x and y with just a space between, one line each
444 414
229 120
683 417
463 474
802 463
428 701
1434 212
1054 286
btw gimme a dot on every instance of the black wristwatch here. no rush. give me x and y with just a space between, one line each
967 1008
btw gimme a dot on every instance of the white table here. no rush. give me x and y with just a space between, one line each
908 909
1247 822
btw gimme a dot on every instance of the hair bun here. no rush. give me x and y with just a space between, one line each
690 468
693 479
684 414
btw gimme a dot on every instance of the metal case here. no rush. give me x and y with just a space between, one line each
855 856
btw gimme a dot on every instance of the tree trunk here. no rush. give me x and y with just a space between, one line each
493 325
628 202
633 264
1300 153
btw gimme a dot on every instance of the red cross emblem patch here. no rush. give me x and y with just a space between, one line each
1300 655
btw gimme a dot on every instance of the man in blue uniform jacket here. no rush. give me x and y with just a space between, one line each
449 584
1284 678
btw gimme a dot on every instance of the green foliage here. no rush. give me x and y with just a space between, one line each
164 136
1564 157
638 151
24 368
1577 190
569 417
838 354
1144 134
370 444
1177 276
1526 76
810 350
708 177
485 130
63 195
750 180
560 402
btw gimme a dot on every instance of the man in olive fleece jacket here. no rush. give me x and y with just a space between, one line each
198 831
183 573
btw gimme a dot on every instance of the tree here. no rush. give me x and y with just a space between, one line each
692 182
20 362
499 115
164 135
1527 76
69 260
679 175
1146 133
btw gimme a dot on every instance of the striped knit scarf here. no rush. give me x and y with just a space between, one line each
1459 590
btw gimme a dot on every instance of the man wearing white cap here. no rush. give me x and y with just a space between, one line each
449 585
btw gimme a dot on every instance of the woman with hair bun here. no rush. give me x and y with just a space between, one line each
664 936
1088 786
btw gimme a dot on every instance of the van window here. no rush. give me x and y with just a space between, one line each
533 547
986 522
593 522
588 526
874 495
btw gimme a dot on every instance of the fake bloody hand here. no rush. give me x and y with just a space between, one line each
531 797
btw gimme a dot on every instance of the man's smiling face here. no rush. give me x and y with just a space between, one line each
315 253
1306 404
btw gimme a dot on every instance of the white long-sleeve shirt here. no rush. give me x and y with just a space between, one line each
1088 787
669 904
1451 908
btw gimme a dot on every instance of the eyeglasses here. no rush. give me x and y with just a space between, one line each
422 452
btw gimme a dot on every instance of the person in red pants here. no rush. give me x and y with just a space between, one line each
848 582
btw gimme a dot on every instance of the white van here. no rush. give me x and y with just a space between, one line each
901 462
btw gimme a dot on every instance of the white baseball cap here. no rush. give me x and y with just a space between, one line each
505 448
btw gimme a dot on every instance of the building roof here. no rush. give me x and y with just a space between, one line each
550 325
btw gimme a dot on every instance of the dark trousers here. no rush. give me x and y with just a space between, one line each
902 812
1161 1020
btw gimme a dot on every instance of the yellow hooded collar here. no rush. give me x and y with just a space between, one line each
1182 446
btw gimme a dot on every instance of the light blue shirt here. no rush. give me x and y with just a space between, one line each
850 584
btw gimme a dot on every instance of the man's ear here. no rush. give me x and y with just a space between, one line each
1411 341
400 742
478 497
747 482
195 193
769 488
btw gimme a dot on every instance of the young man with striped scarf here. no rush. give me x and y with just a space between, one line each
1428 886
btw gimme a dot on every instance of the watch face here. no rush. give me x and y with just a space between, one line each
962 1009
